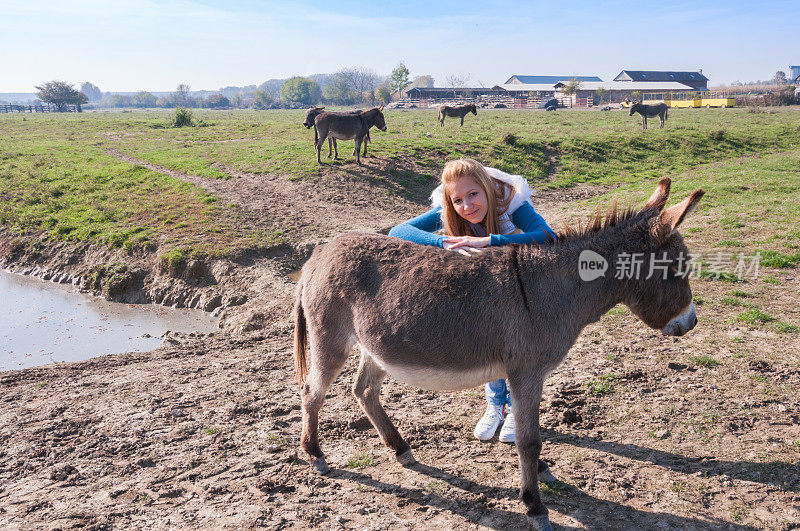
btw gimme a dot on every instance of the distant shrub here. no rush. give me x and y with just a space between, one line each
509 139
717 135
183 117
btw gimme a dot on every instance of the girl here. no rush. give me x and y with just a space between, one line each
477 207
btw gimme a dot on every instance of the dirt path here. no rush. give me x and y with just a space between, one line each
317 211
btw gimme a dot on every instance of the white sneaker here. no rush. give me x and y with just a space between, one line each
490 421
509 429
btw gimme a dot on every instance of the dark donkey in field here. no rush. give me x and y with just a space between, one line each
442 321
348 127
648 111
312 112
456 112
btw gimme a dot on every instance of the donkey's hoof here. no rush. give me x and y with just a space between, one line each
320 466
406 459
545 476
540 523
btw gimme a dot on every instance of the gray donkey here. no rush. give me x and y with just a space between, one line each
348 127
312 112
442 321
649 111
456 112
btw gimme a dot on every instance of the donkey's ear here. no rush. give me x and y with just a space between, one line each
660 196
674 215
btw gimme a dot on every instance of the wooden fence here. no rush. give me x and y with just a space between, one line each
4 108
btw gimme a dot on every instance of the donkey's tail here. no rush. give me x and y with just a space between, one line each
300 336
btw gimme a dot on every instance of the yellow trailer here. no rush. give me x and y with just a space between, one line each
683 103
717 102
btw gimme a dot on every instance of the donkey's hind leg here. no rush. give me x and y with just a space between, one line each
327 357
367 389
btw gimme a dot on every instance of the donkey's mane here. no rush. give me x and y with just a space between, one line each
598 223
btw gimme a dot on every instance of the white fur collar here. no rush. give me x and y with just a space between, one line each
522 190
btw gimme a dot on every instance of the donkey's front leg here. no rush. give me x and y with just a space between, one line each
367 389
358 151
526 395
644 122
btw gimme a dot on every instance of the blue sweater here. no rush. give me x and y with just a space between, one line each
421 228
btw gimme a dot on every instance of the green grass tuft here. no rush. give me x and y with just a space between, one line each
360 460
705 361
755 316
601 386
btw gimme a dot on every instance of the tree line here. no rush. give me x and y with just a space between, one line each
348 86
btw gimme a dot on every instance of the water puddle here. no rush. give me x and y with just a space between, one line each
294 276
42 322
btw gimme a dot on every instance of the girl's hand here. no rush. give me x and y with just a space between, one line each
457 244
467 241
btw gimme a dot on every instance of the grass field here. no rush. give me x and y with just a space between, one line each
59 176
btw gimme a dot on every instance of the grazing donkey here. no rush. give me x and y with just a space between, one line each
413 310
312 113
456 112
648 111
348 127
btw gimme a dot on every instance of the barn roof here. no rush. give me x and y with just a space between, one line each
551 80
527 87
655 75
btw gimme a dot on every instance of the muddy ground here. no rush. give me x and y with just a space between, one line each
203 432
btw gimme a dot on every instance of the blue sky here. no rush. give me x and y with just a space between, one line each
128 45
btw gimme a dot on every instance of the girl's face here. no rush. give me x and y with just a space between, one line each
469 199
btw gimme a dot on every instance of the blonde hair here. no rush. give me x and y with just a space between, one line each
498 196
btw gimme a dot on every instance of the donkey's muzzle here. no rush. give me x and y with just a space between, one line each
683 323
384 129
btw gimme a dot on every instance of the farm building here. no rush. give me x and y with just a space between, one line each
546 80
695 80
528 91
592 93
794 75
440 93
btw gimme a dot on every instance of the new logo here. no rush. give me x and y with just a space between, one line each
591 265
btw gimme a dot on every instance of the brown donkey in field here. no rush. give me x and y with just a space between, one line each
650 111
442 321
456 112
312 112
347 127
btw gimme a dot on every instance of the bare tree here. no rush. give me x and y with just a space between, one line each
182 94
457 80
363 81
780 78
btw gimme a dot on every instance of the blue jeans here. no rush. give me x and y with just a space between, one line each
497 393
